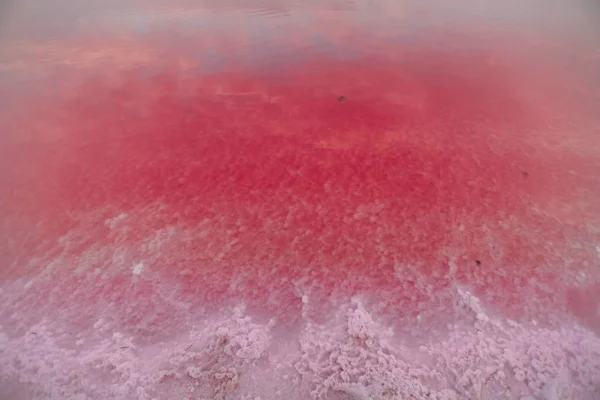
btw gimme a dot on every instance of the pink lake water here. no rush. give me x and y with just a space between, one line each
299 200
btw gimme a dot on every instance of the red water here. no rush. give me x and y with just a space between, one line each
428 169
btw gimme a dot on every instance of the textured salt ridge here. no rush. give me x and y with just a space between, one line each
354 355
144 339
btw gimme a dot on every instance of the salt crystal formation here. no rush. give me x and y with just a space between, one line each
228 354
285 199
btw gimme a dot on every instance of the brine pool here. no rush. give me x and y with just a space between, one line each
299 199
